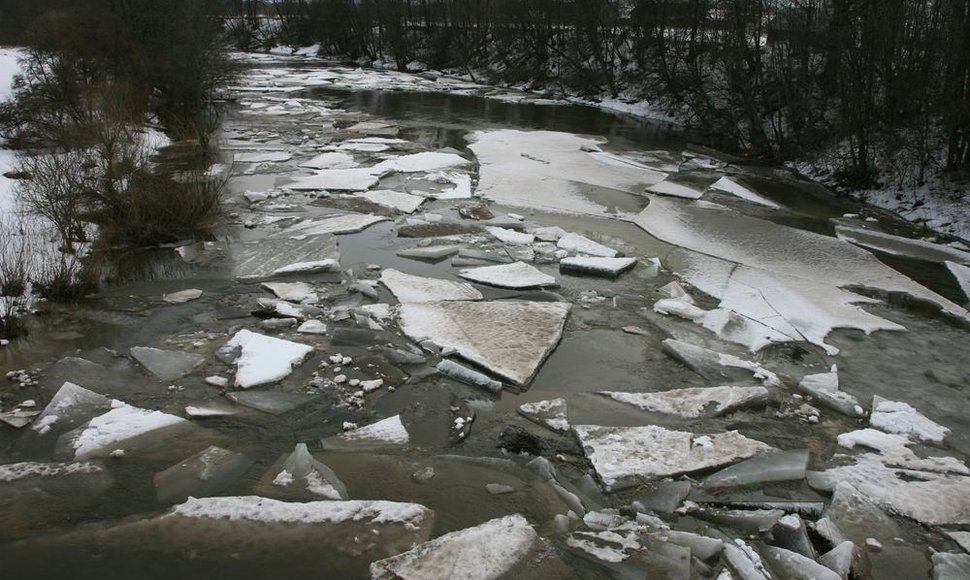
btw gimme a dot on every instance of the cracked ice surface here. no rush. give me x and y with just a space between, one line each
548 170
510 338
622 455
517 275
408 288
264 258
691 403
483 552
265 359
789 280
340 224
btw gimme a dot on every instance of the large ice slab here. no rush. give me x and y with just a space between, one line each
398 200
609 267
667 187
266 257
900 246
167 365
623 455
962 276
728 185
408 288
205 473
422 162
716 366
895 452
103 434
517 275
902 418
383 433
551 414
265 359
691 403
764 468
336 180
262 157
291 291
510 338
484 552
550 171
338 224
300 475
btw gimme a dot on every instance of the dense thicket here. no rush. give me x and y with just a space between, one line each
880 81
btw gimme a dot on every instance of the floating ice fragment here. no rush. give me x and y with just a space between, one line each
291 291
609 267
339 224
299 474
765 468
264 359
404 202
272 402
167 365
517 275
583 245
331 161
510 236
106 432
898 417
824 388
728 185
468 376
386 432
205 473
717 366
336 180
667 187
408 288
182 296
691 403
551 414
421 162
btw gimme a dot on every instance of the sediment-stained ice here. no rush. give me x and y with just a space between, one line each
624 455
510 338
517 275
691 403
265 359
408 288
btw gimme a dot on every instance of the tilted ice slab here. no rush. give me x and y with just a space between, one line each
358 179
167 365
299 474
390 431
623 455
900 246
267 257
716 366
667 187
408 288
105 433
261 509
582 245
421 162
265 359
962 275
262 157
790 280
205 473
70 406
609 267
291 291
510 338
517 275
824 388
728 185
549 171
340 224
902 418
400 201
331 161
691 403
551 414
484 552
788 564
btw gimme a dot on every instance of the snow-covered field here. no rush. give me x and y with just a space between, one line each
8 69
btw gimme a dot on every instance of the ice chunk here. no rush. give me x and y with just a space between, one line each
701 546
105 433
182 296
745 561
788 564
717 366
70 406
517 275
510 236
484 552
264 359
314 266
962 275
468 376
610 267
667 187
272 402
680 308
28 470
551 413
791 534
461 181
268 256
421 162
386 432
662 496
333 160
948 566
675 291
900 246
691 403
894 452
291 291
898 417
961 538
824 388
300 475
208 472
167 365
408 288
262 157
429 252
404 202
840 559
211 409
339 224
510 338
728 185
622 455
336 180
748 521
582 245
606 546
768 467
312 327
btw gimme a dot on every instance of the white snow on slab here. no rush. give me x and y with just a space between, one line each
550 171
461 181
824 388
182 296
104 433
510 236
484 552
511 338
598 266
962 275
902 418
328 265
895 452
422 162
265 359
900 246
582 245
261 509
336 180
70 402
517 275
290 291
312 327
400 201
301 472
339 224
28 469
667 187
551 413
332 160
262 157
622 455
728 185
389 430
691 403
408 288
794 565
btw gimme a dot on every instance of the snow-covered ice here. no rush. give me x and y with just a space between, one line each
716 366
691 403
902 418
510 338
390 431
667 187
404 202
332 160
300 474
582 245
728 185
263 509
824 388
551 413
421 162
764 468
900 246
182 296
267 257
961 274
408 288
105 433
517 275
291 291
265 359
70 406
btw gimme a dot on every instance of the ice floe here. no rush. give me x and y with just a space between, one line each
264 359
299 475
551 413
70 406
332 160
510 338
291 291
691 403
517 275
902 418
262 157
900 246
421 162
667 187
358 179
962 276
103 434
510 236
469 376
716 366
167 365
404 202
386 432
764 468
622 456
272 402
609 267
582 245
205 473
408 288
339 224
728 185
268 257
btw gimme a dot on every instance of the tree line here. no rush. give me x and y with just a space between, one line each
879 81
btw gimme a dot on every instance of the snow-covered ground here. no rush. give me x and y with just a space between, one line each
8 69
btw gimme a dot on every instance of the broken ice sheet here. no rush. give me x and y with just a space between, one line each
205 473
902 418
716 366
298 475
408 288
272 402
551 413
264 359
167 365
764 468
517 275
788 564
264 258
728 185
291 291
338 224
112 430
691 403
388 432
421 162
510 236
508 337
262 157
622 456
70 406
824 388
404 202
582 245
608 267
358 179
895 452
